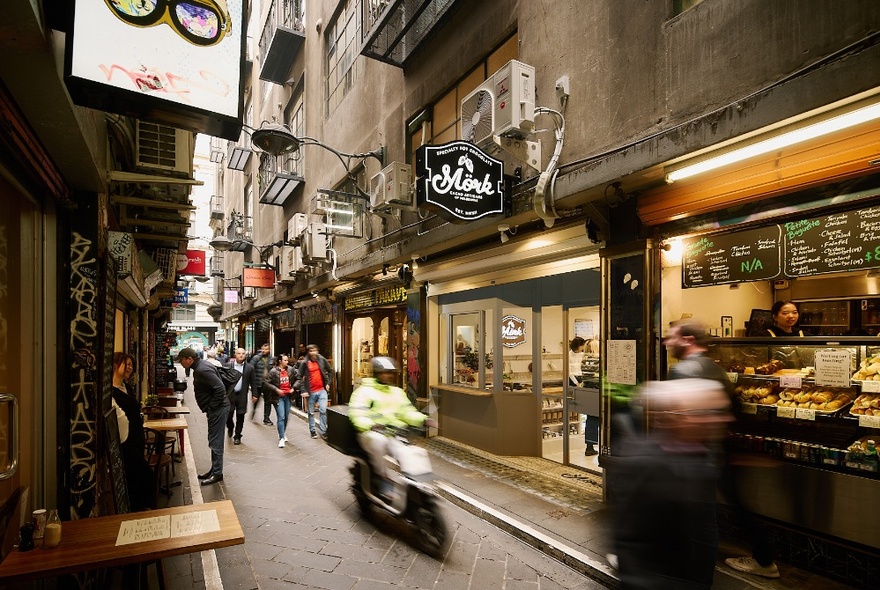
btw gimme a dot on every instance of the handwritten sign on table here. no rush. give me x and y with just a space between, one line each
833 367
142 530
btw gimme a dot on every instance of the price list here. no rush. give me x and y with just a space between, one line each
834 243
750 255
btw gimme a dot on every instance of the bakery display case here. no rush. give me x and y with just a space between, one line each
811 407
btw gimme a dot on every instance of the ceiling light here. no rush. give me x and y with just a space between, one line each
777 142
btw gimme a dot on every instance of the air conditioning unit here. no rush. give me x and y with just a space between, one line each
160 147
291 264
392 188
314 244
503 105
296 225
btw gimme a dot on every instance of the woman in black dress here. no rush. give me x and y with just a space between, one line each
138 475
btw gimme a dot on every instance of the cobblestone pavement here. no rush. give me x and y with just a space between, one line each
303 529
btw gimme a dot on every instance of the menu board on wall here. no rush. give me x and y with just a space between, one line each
833 243
750 255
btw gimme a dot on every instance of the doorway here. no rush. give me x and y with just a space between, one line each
569 385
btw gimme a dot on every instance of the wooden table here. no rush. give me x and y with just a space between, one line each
90 544
178 424
178 411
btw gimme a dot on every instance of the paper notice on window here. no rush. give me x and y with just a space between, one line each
196 523
621 367
833 367
143 529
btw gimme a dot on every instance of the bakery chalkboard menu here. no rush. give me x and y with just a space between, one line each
750 255
833 243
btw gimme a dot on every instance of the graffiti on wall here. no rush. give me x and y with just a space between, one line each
84 376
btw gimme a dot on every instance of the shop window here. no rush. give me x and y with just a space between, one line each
467 349
184 313
344 63
361 349
439 121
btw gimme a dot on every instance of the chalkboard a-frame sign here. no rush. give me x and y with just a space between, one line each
116 462
459 181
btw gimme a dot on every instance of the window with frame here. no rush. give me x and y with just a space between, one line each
295 119
344 63
184 313
439 122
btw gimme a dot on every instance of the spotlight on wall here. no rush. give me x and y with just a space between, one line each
384 270
415 259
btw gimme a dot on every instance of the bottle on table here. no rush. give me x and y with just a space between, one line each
52 535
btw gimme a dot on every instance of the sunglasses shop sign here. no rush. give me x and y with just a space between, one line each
171 61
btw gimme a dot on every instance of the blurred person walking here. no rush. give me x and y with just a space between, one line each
688 341
665 528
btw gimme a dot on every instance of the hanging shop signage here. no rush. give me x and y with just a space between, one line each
192 263
513 331
376 298
459 181
181 295
176 63
320 313
260 278
230 295
834 243
839 242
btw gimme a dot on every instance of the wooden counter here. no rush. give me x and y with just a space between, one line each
90 544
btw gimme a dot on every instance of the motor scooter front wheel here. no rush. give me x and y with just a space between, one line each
360 496
432 533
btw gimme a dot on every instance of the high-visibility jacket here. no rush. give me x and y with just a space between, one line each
373 403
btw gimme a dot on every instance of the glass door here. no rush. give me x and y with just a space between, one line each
548 368
583 393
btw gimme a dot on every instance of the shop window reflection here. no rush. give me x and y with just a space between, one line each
466 349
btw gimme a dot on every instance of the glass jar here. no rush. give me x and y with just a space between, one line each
52 535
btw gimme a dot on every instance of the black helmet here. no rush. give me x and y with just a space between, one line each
384 364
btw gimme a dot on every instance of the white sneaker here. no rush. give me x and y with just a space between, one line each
748 565
285 438
281 444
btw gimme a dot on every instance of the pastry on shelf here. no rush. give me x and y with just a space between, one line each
867 404
869 370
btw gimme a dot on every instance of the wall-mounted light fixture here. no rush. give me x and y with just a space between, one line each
502 229
771 141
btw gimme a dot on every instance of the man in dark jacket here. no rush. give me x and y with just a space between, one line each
239 394
315 376
687 341
262 362
211 398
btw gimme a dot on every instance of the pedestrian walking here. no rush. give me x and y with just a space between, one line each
211 398
687 341
280 381
238 396
262 362
315 374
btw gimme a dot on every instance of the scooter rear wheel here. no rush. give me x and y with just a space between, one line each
432 534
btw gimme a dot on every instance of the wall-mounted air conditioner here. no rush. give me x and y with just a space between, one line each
296 225
503 105
391 188
314 244
160 147
291 264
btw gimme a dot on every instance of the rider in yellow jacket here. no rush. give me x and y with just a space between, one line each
378 403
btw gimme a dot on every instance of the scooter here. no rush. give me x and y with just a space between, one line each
409 496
